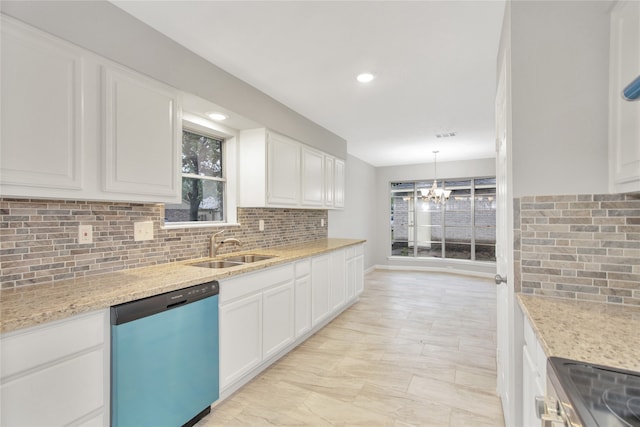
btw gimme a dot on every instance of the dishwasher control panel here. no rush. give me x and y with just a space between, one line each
137 309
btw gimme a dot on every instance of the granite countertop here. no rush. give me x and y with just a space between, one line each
32 305
593 332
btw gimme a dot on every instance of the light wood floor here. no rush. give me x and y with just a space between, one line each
418 349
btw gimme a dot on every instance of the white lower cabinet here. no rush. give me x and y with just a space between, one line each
355 270
319 288
267 313
337 281
256 320
277 318
240 337
57 374
302 297
534 375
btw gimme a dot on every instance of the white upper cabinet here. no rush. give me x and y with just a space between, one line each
338 184
77 126
269 170
283 171
329 181
276 171
142 128
43 92
312 177
624 116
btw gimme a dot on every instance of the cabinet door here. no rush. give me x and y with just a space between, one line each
339 174
42 113
359 273
329 181
61 368
142 134
312 177
351 279
277 319
240 338
338 284
283 171
529 374
302 305
624 119
56 395
319 288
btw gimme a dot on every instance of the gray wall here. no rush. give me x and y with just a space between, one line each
381 210
356 220
560 57
108 31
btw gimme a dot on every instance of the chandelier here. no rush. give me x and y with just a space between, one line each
435 194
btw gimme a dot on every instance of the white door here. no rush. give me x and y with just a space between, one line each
504 250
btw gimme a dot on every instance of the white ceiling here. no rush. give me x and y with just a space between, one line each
434 62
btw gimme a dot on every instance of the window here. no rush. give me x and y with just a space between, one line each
464 227
203 180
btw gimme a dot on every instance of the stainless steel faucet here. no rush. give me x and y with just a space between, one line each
214 246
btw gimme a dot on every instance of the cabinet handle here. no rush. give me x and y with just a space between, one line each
499 279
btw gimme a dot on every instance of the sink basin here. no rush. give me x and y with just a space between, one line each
217 264
248 258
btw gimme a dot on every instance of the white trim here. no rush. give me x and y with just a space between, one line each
447 269
198 224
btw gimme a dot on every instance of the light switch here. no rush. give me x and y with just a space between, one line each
261 225
143 230
85 234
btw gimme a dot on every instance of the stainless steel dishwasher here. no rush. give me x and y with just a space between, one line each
164 358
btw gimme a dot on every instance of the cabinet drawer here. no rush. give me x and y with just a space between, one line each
254 282
56 395
351 252
359 250
303 268
28 349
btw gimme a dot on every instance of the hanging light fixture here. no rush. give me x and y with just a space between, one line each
435 194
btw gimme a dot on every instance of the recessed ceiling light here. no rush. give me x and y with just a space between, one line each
365 77
217 116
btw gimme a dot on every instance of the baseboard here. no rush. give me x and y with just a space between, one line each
448 269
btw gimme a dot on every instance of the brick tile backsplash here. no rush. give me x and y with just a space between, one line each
39 238
584 247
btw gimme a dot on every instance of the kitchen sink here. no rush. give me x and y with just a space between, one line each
232 261
217 264
245 259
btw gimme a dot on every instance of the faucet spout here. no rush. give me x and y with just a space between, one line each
213 245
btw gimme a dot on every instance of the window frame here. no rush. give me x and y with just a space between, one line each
200 126
475 183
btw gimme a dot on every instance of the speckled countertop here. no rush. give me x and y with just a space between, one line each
32 305
604 334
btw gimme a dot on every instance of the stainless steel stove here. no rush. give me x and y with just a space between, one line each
585 395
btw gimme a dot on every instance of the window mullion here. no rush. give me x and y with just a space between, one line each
473 219
203 177
415 220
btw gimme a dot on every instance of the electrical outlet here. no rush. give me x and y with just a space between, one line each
322 222
85 234
261 225
143 230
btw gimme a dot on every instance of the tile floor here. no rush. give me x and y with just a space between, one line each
418 349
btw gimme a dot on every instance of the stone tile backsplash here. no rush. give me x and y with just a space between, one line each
584 247
39 238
